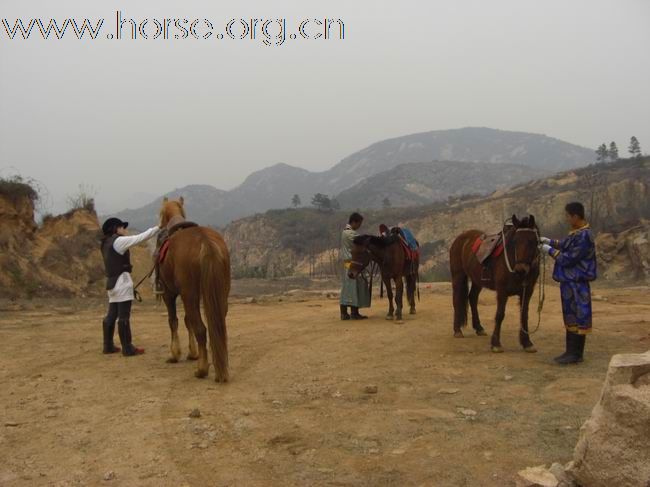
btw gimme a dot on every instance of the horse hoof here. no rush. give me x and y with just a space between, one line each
192 357
530 349
458 334
389 317
412 312
200 374
172 360
481 333
497 350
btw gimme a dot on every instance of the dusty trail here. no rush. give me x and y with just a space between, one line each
447 411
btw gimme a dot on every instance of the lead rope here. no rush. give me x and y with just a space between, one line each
540 299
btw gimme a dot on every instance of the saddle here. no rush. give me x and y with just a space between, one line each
487 246
408 242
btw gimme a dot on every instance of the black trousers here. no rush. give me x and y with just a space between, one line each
121 311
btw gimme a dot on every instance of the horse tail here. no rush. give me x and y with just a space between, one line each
460 284
215 286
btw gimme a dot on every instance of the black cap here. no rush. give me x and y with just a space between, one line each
112 224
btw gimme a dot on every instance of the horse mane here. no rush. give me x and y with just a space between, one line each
381 242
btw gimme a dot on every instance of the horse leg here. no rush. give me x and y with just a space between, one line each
175 346
410 292
459 286
502 299
524 337
389 295
473 303
193 354
194 322
399 295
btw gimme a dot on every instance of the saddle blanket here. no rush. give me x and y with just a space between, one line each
409 244
487 246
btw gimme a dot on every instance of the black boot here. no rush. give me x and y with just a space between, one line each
124 331
355 314
566 347
344 313
108 329
581 346
573 351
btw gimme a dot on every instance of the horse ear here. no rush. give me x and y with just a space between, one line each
531 221
515 220
181 200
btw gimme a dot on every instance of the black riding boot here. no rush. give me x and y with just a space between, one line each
566 347
124 331
573 355
108 327
344 313
581 346
355 314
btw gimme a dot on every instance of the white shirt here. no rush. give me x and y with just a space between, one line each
123 290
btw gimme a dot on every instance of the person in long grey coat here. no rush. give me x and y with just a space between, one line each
354 292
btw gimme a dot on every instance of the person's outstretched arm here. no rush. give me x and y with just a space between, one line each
122 244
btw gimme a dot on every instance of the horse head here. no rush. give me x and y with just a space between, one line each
170 209
525 238
360 255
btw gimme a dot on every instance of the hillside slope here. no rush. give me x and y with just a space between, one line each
617 197
426 182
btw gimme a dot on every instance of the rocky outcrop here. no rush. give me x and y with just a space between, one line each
58 258
625 256
614 444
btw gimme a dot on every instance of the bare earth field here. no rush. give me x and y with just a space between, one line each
447 412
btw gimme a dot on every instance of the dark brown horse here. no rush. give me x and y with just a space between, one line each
513 273
196 266
388 253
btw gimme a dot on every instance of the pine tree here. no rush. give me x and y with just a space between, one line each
601 153
321 202
634 148
295 201
613 152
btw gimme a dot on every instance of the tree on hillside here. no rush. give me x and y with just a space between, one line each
601 153
386 202
613 152
321 202
295 201
335 205
634 148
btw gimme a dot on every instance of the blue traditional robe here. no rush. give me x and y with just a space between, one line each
575 268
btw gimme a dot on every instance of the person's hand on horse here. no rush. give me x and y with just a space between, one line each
545 248
545 240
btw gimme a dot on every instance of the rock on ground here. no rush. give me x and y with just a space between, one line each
614 444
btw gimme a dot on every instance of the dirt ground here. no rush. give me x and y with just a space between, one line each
447 412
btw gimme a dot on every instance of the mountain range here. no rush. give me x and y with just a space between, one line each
517 157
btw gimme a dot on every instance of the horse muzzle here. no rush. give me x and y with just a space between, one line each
352 274
522 269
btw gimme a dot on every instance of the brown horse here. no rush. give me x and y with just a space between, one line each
513 273
196 266
388 253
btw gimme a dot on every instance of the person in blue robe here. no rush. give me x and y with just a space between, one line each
575 268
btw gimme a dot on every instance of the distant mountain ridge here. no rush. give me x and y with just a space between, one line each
426 182
274 186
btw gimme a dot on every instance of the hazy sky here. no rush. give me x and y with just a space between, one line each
147 116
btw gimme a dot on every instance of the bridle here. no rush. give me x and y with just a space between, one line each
505 247
541 262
